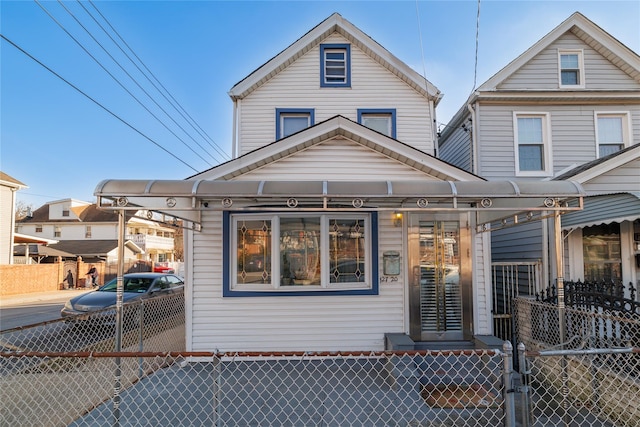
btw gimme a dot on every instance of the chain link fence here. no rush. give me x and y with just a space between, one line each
153 324
589 378
223 389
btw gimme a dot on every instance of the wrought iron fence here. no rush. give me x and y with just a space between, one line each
228 389
596 295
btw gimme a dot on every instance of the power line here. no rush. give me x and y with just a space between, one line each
179 107
475 67
149 80
96 102
113 77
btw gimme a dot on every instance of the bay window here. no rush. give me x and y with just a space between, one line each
301 253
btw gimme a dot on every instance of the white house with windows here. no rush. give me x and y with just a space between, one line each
571 99
8 188
82 229
335 227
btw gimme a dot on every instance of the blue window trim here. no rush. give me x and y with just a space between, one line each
347 48
280 111
226 268
391 111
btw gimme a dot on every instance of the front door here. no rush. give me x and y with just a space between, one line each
440 286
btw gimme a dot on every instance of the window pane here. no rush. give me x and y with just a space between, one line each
530 157
346 250
380 123
254 251
569 77
299 251
294 123
335 66
601 248
569 61
610 129
529 130
606 149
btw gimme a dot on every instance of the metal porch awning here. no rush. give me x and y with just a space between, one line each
604 209
493 200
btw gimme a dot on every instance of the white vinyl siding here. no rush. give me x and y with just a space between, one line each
572 132
541 72
372 86
623 178
256 324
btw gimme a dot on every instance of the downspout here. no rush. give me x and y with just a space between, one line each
473 149
13 225
234 131
434 129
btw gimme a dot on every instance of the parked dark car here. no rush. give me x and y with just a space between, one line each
136 286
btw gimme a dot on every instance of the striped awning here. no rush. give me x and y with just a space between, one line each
604 209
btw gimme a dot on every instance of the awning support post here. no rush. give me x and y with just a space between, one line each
119 317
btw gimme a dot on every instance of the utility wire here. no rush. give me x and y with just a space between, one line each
224 156
97 103
191 120
475 67
113 77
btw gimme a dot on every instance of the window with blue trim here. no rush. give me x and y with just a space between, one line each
335 65
379 119
300 253
292 120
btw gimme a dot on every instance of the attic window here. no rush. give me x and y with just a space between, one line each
39 228
571 68
65 212
335 65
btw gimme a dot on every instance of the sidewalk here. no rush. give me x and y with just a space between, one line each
12 300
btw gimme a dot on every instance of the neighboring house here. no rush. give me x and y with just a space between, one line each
572 98
84 230
8 188
335 225
603 240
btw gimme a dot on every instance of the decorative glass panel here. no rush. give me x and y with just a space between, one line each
299 251
253 251
347 242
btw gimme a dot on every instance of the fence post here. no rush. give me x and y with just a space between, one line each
507 385
524 384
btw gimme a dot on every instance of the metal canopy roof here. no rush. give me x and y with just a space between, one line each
186 199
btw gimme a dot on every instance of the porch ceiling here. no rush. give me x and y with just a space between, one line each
186 199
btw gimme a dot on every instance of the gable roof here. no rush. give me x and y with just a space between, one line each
589 170
335 23
88 213
333 127
585 29
9 181
93 248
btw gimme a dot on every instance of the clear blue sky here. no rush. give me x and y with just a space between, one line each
62 144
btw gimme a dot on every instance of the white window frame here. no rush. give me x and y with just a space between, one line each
580 54
38 228
325 80
87 232
325 283
57 231
626 128
547 158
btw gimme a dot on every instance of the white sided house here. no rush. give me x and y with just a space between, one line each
571 99
335 228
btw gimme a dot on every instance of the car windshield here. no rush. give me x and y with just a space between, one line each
131 284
